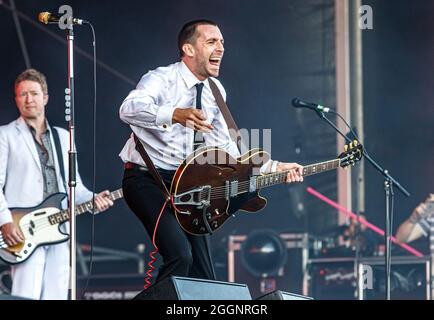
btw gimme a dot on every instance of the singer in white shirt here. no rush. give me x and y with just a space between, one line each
161 112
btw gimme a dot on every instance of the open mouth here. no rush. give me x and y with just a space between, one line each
215 61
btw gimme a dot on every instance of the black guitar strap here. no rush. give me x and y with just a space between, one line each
59 154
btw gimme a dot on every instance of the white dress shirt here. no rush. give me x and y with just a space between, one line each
149 108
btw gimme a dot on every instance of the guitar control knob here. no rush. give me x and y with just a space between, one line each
202 229
195 222
209 216
215 224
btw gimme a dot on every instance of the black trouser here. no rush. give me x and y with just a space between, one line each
183 254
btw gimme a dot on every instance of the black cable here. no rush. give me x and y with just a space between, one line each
93 160
357 234
391 203
347 124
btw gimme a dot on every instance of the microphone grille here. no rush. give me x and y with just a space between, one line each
43 17
296 102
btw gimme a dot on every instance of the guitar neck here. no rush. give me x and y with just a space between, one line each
272 179
63 215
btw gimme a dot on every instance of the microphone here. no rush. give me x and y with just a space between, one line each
47 17
298 103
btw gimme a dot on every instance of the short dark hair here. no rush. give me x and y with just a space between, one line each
188 32
33 75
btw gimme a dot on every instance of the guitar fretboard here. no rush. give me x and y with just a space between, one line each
280 177
63 215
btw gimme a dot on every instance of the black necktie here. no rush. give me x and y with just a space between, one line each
198 135
199 87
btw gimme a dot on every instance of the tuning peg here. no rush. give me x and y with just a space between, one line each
351 145
355 143
346 148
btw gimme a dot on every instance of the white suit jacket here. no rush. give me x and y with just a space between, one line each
21 180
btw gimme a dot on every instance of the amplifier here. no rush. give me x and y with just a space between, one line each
267 261
335 278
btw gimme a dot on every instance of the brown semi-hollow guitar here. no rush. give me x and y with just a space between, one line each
210 185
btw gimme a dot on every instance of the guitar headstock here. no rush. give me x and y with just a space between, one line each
353 152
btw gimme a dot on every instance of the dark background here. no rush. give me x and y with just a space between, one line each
275 50
399 103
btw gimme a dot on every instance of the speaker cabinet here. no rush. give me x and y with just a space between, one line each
255 263
334 278
282 295
181 288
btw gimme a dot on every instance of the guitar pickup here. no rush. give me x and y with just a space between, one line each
252 184
234 188
231 189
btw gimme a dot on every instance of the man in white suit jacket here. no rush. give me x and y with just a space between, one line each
29 172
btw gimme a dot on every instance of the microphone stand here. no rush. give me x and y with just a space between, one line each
71 162
72 153
389 181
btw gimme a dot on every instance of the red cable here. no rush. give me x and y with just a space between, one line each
152 254
173 204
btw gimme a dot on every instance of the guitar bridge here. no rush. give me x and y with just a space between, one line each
199 197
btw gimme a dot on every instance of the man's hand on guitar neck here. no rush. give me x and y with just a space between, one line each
103 201
295 173
12 235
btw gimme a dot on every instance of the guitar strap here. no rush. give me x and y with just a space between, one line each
59 154
233 128
155 174
229 121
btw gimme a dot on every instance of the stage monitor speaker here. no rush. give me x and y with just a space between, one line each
282 295
181 288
